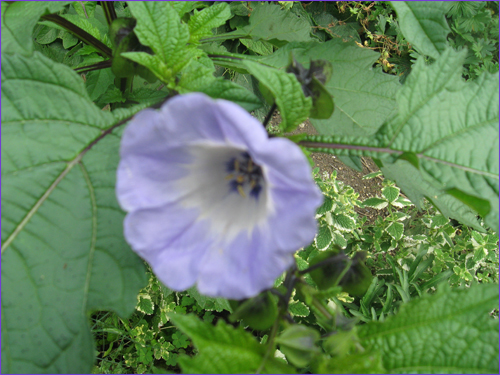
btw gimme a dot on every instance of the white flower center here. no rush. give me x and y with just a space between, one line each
227 187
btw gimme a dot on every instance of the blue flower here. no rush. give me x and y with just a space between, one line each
211 200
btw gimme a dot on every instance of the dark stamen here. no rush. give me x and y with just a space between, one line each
245 177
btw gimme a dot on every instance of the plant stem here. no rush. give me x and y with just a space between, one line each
79 33
333 259
316 146
96 66
109 11
269 115
270 345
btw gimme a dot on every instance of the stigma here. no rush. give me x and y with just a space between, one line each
245 177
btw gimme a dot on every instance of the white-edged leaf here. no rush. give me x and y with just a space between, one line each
395 230
391 193
377 203
323 238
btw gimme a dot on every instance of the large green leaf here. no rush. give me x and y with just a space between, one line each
364 97
448 332
224 349
452 127
293 105
63 252
424 25
278 26
18 20
159 27
446 127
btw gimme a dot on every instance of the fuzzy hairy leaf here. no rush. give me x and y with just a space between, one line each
159 27
445 115
448 332
293 105
424 25
223 349
202 23
183 7
270 23
449 128
63 251
364 97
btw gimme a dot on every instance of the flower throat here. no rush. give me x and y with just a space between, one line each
245 177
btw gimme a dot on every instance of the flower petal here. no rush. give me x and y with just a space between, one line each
287 166
243 267
158 228
146 181
293 224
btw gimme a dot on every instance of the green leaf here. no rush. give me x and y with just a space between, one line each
45 35
293 105
448 332
183 7
439 114
197 74
208 303
259 312
424 25
297 342
18 20
270 23
323 238
223 349
224 89
88 25
327 205
201 23
97 82
377 203
395 230
470 125
338 239
364 97
145 305
408 178
353 162
359 363
480 205
260 47
298 309
63 251
343 222
159 27
391 193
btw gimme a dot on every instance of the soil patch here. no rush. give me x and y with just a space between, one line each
328 163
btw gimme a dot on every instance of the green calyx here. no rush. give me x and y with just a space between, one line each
335 268
258 312
121 33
